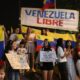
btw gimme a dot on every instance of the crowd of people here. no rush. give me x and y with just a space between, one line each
67 58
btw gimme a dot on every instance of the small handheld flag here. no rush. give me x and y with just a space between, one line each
49 4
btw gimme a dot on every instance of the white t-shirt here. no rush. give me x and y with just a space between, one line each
22 51
60 53
13 36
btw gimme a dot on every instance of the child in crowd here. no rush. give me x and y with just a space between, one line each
22 52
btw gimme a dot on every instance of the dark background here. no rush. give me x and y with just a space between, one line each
10 9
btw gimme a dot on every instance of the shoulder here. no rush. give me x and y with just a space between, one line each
59 48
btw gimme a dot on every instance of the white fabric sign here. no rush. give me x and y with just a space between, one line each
63 19
47 56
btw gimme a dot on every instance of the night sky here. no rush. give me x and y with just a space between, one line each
9 9
9 13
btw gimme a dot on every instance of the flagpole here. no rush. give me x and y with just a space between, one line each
55 3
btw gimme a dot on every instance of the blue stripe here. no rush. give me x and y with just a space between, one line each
1 49
53 44
39 42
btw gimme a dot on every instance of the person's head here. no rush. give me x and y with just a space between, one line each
46 44
14 45
25 37
44 32
22 44
17 31
29 30
8 32
2 70
68 44
59 42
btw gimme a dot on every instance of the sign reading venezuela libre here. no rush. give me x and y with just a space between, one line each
50 18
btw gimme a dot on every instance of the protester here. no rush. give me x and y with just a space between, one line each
62 60
70 62
46 67
13 36
22 53
31 48
12 73
26 47
77 55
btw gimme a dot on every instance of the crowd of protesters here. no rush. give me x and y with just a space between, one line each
67 58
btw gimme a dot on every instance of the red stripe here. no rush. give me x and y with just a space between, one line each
49 5
38 48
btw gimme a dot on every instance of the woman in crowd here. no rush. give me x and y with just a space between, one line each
31 48
70 62
46 67
77 55
62 60
12 73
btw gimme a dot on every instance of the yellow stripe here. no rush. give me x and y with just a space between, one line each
1 33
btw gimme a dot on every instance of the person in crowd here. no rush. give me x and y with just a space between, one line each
44 32
2 70
31 48
77 58
17 31
46 67
70 62
21 49
22 52
62 60
25 37
13 36
8 33
12 73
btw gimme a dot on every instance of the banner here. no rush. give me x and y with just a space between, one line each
47 56
16 61
63 19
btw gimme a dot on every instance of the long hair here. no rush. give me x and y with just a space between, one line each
59 43
48 47
66 44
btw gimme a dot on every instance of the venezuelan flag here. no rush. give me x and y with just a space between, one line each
52 38
49 4
1 42
40 40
